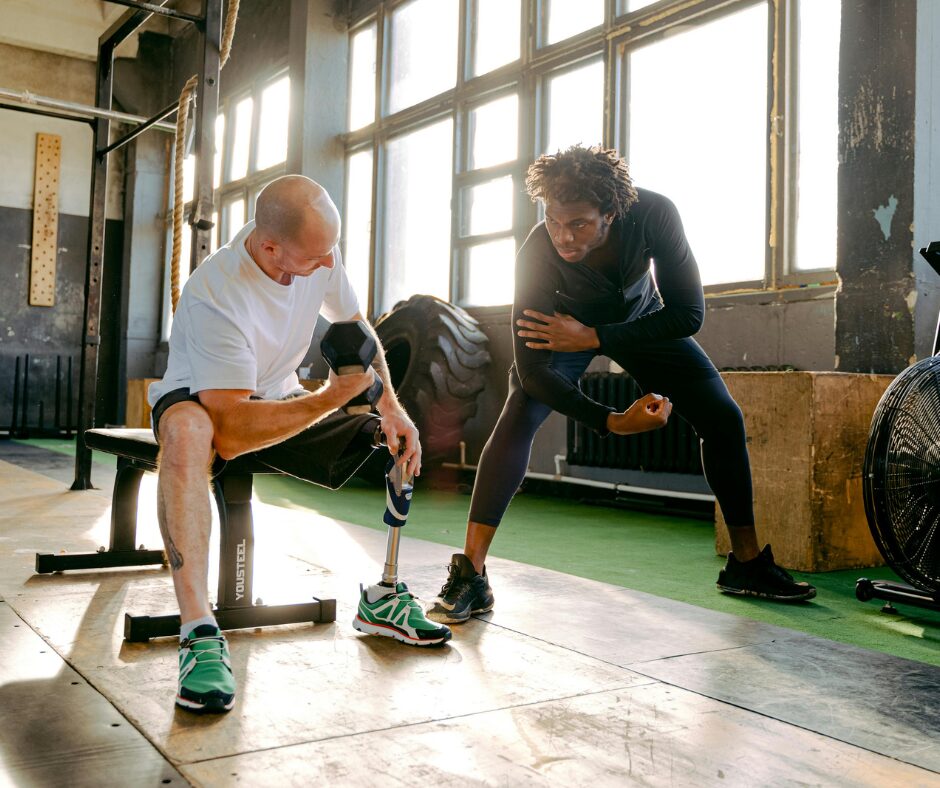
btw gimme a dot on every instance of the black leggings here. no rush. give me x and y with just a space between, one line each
677 369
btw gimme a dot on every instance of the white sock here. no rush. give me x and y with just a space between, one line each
187 628
376 592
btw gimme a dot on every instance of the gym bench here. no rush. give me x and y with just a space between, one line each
136 450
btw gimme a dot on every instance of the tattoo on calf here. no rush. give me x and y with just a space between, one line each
173 554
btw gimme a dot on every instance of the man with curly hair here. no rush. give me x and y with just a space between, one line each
585 287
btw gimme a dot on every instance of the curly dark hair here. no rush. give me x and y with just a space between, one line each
594 175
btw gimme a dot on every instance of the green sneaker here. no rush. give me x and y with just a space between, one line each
206 681
396 613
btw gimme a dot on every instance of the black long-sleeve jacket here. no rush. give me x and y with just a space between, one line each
638 310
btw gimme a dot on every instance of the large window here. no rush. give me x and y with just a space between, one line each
357 221
720 96
575 100
253 150
423 59
487 188
250 151
817 134
417 221
362 78
496 39
728 107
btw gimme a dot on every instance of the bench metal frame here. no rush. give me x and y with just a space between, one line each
232 486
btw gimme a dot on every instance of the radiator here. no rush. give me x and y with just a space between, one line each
672 449
38 395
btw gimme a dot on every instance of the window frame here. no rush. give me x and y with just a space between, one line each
528 76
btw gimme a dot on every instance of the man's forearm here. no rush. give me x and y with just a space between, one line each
254 424
399 431
564 396
389 399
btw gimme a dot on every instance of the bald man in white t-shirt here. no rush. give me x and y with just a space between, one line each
244 323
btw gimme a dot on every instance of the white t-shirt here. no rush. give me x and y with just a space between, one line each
236 328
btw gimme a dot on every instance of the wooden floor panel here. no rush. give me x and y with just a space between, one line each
873 700
57 728
569 681
646 735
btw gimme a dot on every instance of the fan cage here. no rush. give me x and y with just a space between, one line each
901 475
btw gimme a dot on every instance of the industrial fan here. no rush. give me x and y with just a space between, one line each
901 481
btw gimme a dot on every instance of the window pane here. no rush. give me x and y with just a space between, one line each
362 79
569 17
698 135
494 132
189 177
416 252
241 144
496 41
219 145
234 219
490 273
274 120
488 207
634 5
358 224
819 131
253 198
424 51
214 237
185 249
576 107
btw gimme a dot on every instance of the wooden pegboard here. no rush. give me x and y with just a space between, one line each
45 220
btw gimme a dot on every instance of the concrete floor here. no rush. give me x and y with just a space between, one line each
568 681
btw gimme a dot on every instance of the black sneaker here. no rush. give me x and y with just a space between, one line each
464 594
762 577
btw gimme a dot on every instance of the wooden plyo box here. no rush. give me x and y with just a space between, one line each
138 409
806 435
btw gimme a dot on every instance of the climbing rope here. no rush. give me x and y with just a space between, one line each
228 32
182 115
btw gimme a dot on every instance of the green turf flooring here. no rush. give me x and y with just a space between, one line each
666 556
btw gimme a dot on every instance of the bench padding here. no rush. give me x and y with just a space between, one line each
141 446
133 444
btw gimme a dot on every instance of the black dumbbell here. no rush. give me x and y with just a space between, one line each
348 348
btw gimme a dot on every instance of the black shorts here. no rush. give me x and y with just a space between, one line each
327 453
166 401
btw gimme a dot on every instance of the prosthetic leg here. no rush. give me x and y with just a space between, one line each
388 608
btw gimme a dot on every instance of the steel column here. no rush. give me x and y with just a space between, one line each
207 107
297 68
91 336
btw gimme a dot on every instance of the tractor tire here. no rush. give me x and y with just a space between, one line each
437 358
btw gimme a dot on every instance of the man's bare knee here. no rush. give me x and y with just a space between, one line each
186 435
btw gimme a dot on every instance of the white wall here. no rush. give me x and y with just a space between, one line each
61 78
65 27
